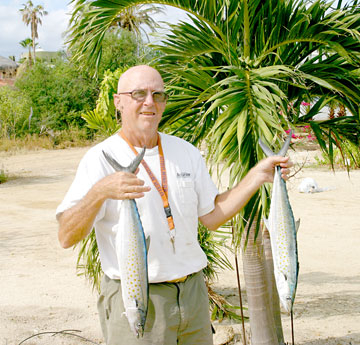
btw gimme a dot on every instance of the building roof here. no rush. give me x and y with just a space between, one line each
42 54
6 63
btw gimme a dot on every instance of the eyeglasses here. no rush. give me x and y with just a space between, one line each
140 95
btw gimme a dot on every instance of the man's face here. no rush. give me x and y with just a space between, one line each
137 115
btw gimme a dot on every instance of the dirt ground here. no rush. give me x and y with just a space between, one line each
40 291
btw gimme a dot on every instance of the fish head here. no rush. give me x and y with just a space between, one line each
287 304
136 318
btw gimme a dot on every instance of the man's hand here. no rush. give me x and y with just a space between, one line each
229 203
120 186
264 170
77 222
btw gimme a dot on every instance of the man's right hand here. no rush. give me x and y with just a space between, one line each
76 222
120 186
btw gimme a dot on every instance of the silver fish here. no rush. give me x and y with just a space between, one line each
283 228
132 249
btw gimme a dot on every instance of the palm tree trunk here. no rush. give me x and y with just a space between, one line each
270 281
33 37
262 323
30 57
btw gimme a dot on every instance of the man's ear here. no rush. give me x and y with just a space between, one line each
117 102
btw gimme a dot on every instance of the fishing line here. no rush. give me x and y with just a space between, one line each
238 282
65 332
292 326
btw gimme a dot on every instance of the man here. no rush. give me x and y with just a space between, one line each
178 304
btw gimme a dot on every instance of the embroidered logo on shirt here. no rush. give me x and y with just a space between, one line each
183 174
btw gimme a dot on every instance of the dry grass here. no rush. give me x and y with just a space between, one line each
48 141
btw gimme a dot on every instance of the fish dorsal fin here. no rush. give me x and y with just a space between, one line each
133 165
268 152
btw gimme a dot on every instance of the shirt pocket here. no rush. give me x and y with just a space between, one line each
188 196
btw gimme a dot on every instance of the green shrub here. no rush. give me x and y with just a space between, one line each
3 176
59 93
15 110
348 158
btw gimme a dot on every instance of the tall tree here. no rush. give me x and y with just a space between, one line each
131 18
27 43
134 18
32 16
237 72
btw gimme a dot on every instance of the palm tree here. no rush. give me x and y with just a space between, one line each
27 43
239 72
131 18
32 15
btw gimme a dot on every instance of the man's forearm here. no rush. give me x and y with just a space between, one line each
229 203
76 222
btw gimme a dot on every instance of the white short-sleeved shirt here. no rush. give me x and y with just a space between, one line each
191 195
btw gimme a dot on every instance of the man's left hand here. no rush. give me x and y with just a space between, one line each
265 169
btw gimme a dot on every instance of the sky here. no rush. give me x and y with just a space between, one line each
13 30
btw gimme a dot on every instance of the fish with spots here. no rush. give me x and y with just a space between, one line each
283 229
131 250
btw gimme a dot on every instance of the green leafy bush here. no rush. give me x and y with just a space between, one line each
120 48
104 117
3 176
59 93
15 110
348 157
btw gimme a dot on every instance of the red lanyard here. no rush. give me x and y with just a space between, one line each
163 188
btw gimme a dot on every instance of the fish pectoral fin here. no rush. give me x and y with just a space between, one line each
282 276
297 225
147 240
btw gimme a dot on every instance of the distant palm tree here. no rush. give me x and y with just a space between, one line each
32 15
27 43
131 18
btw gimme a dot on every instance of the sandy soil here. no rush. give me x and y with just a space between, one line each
40 291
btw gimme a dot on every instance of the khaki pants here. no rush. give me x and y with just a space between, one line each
178 313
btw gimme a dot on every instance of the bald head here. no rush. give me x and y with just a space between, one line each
140 116
132 77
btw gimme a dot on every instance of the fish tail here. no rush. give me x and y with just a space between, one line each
283 149
133 165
